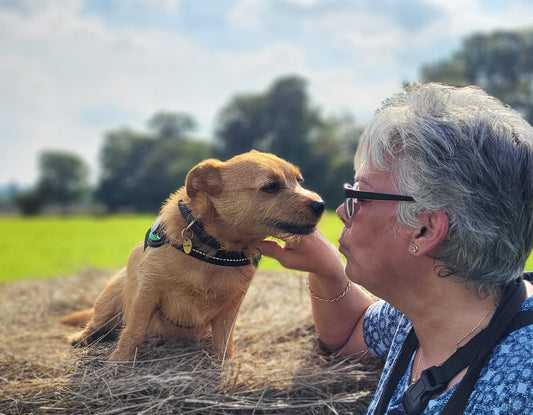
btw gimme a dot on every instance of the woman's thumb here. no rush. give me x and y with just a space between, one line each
272 249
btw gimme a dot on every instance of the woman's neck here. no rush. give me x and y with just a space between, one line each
447 317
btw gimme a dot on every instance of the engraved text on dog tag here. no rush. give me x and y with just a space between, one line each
187 245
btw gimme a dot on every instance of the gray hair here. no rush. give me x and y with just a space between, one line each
461 151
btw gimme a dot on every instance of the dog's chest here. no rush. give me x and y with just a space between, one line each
200 302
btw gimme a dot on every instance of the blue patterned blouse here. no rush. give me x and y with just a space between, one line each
505 384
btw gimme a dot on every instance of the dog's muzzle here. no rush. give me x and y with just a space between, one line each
318 207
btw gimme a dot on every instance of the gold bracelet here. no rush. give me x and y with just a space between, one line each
328 300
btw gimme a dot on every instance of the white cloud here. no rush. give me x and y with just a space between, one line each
167 6
55 73
67 76
247 13
361 35
459 18
346 92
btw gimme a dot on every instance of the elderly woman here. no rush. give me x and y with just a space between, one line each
438 224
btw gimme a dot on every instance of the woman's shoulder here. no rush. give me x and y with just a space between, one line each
527 304
506 382
384 326
518 342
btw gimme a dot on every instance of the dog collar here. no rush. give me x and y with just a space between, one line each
156 237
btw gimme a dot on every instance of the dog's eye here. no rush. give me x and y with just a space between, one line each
300 179
273 187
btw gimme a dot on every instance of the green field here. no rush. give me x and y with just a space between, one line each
44 247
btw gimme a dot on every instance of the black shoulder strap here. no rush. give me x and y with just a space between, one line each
521 319
434 380
398 369
512 298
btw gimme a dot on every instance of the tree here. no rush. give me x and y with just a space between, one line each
164 170
63 178
171 125
279 120
121 158
292 119
500 62
243 125
139 170
333 147
29 202
282 121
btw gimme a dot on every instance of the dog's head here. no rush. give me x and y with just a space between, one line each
253 195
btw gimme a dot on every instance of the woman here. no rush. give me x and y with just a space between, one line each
441 249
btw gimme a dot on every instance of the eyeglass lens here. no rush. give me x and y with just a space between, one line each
349 203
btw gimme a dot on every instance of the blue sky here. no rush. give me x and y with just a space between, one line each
70 70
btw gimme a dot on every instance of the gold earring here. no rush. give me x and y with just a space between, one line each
414 248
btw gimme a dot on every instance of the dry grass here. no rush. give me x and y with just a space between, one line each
278 367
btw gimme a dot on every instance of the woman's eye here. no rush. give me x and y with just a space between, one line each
271 188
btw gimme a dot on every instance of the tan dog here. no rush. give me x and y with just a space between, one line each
199 258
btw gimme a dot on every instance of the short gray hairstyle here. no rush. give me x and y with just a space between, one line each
461 151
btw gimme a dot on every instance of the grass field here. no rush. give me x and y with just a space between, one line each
44 247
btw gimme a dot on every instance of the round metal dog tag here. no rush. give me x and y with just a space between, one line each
187 245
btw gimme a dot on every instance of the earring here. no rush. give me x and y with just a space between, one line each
414 248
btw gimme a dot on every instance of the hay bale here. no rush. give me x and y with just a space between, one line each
277 368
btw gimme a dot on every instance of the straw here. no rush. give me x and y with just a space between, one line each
277 368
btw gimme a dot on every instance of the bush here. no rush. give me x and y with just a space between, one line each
29 202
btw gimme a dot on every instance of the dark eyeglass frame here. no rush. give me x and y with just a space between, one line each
352 195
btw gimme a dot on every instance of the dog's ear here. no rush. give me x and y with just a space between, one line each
205 177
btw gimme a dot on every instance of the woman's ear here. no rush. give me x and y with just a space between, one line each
431 234
205 177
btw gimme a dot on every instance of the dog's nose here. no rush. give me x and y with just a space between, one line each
318 207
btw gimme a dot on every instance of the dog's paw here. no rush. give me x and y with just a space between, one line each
119 357
79 339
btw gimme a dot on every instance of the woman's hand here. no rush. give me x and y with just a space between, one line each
339 321
311 253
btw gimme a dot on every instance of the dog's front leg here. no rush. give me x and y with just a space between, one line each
136 322
222 329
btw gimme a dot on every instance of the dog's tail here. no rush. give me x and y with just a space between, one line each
78 318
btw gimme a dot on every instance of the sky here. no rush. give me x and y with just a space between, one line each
72 70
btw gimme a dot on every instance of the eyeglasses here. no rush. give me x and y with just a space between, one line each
355 196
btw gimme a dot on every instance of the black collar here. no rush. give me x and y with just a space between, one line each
156 237
195 226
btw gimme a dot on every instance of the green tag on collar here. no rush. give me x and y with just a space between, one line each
154 237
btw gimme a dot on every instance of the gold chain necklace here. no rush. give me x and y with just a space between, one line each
414 378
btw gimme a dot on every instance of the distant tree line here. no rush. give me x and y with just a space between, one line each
138 170
500 62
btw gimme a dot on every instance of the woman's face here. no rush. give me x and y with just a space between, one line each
372 239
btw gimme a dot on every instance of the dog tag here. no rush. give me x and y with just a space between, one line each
187 245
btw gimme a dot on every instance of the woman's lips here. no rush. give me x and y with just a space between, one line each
342 248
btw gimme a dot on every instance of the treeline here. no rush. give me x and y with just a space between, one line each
138 169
